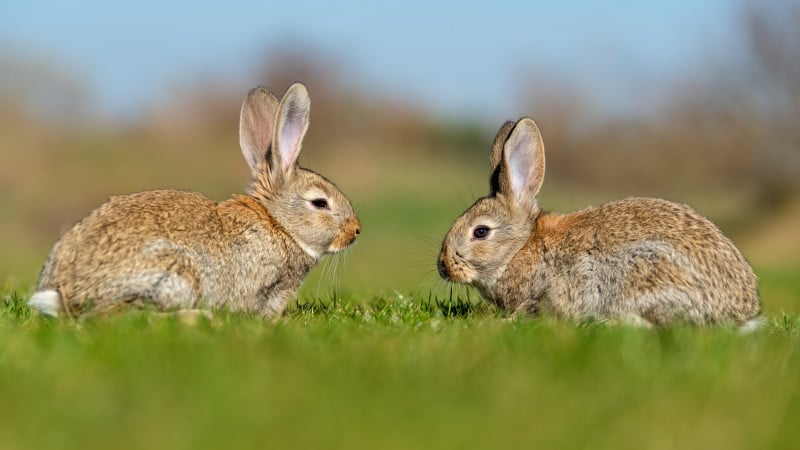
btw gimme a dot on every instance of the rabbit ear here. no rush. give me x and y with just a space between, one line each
291 126
496 156
255 126
497 146
521 170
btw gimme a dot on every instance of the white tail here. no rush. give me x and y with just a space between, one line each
47 302
752 325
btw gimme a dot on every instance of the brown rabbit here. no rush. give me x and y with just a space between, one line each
644 261
181 250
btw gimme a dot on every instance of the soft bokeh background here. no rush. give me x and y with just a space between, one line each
693 101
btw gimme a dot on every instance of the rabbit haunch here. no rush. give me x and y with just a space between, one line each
637 260
178 250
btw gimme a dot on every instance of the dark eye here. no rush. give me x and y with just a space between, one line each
480 232
320 203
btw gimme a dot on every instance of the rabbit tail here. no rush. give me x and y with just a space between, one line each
47 302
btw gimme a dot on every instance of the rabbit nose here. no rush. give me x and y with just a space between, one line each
356 230
442 268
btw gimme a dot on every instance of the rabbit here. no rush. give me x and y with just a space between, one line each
639 261
178 250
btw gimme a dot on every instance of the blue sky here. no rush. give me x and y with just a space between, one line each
463 58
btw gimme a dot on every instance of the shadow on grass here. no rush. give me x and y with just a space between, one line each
418 306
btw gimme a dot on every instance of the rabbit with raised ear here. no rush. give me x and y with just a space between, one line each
643 261
181 250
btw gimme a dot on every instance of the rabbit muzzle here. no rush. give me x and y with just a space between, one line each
452 267
346 236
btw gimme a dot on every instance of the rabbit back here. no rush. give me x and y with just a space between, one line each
638 259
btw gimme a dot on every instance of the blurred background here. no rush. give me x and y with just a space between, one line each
697 102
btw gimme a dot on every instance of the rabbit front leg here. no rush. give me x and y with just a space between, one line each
274 307
280 286
272 299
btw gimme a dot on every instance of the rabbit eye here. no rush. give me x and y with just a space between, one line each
480 232
320 203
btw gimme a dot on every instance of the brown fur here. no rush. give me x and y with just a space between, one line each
637 260
178 250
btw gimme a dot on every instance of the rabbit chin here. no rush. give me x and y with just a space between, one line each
313 253
336 247
459 273
341 242
464 274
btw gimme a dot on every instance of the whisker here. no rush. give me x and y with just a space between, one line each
319 280
332 280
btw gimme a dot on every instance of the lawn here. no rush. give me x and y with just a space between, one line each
395 371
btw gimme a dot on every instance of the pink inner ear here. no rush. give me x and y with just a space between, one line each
291 137
520 164
292 128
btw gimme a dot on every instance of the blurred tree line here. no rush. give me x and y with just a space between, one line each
734 123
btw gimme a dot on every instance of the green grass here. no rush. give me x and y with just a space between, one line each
374 369
393 372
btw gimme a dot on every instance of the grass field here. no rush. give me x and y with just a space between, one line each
398 371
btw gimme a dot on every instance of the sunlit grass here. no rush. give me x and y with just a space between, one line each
392 371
